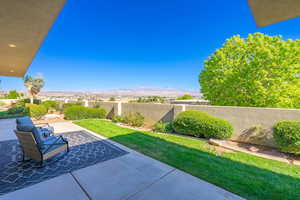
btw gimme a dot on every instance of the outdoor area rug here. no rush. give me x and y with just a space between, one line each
85 150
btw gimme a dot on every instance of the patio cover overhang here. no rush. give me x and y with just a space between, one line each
268 12
23 26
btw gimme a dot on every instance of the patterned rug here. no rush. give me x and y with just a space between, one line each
85 150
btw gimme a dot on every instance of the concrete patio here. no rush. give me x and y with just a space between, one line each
131 177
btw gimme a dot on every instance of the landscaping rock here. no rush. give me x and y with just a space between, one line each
253 149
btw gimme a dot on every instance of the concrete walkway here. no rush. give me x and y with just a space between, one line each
130 177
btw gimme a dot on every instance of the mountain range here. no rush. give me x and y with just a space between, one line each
134 92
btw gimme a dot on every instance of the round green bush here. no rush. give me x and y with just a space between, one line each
17 110
200 124
36 111
287 136
117 119
66 105
81 112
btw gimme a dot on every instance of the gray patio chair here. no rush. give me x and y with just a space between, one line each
46 129
37 148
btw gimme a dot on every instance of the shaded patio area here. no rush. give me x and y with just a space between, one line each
124 176
85 150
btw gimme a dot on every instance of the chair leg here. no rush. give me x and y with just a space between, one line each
23 155
42 160
68 149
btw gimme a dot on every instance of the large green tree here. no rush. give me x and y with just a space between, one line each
259 70
185 97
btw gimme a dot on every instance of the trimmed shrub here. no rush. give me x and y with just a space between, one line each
22 102
117 119
80 112
287 136
98 113
134 119
66 105
163 127
17 110
36 111
200 124
51 105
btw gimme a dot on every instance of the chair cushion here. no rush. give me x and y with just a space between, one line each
46 132
38 135
24 120
25 127
52 139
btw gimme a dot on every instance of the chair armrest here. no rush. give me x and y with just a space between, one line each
64 141
42 125
46 126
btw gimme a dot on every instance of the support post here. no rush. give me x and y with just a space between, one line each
119 108
86 103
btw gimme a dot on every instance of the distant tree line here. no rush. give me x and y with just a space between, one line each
184 97
150 99
13 94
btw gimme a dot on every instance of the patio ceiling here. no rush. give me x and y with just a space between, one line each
23 27
268 12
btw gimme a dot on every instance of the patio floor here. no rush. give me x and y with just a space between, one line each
129 177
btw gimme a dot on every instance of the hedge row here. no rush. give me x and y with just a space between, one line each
200 124
51 105
36 111
76 112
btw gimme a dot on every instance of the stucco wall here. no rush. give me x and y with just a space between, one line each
152 112
253 125
110 107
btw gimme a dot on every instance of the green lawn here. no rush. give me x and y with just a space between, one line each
5 115
248 176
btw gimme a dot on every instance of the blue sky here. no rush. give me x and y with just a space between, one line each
102 45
